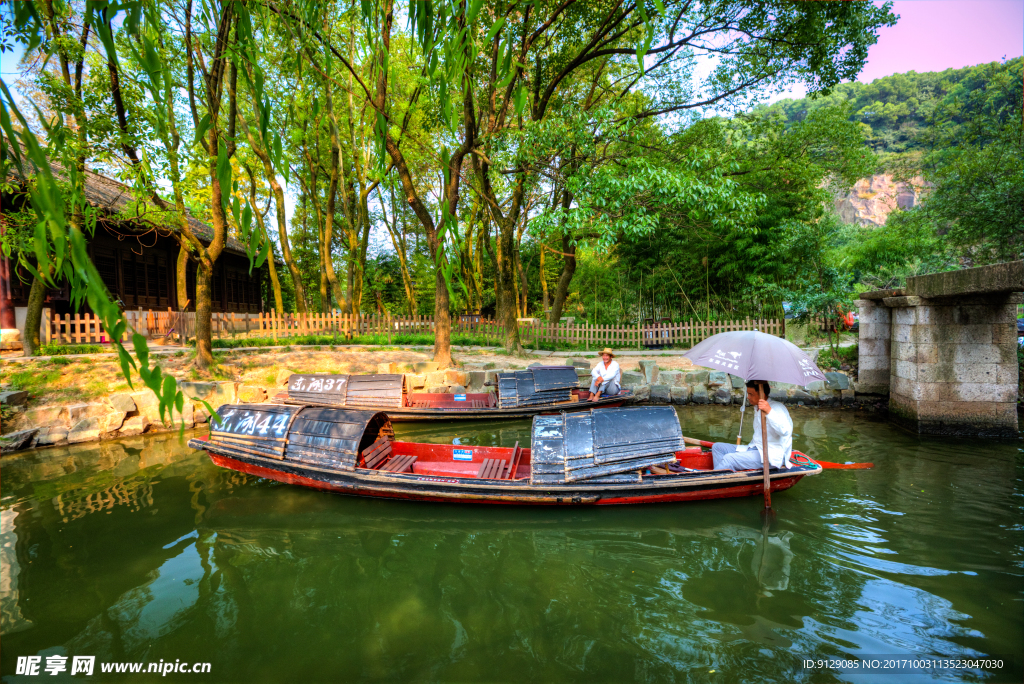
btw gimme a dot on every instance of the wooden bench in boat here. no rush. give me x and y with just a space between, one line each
499 468
399 464
376 453
492 469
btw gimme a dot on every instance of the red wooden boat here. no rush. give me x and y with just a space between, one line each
521 394
603 456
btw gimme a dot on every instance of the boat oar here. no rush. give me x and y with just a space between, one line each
743 409
844 466
828 465
764 450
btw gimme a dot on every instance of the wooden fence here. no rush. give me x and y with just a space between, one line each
87 328
172 327
639 336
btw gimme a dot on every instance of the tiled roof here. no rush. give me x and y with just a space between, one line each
114 196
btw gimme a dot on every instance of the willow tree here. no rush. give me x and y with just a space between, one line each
62 210
598 67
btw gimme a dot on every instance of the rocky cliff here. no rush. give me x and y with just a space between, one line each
870 201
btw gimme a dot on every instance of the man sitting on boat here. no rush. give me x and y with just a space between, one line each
606 376
780 436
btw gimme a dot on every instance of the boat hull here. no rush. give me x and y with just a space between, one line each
405 414
695 486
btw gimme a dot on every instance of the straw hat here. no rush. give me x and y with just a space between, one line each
608 351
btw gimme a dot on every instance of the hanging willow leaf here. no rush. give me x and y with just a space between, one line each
521 98
223 173
495 27
202 127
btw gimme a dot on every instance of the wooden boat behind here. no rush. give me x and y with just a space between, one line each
521 394
601 456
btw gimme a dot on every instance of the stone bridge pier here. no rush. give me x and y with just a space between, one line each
945 350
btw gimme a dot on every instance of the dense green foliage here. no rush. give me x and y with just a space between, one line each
898 112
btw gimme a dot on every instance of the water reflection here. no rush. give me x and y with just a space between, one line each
141 550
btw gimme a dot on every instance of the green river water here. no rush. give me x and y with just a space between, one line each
141 550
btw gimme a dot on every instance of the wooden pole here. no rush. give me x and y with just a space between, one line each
764 450
743 409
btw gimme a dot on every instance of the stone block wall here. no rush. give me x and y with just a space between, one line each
948 344
873 347
954 363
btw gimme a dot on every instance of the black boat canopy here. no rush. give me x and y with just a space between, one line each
330 437
605 445
536 386
348 390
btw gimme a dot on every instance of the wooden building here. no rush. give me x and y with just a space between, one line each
136 261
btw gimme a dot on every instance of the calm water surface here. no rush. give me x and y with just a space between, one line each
142 550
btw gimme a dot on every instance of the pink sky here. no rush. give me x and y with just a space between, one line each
934 35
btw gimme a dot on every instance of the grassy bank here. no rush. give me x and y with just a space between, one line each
68 349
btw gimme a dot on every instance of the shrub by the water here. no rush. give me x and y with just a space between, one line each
66 349
834 360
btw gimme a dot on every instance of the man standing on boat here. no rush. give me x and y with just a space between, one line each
780 436
606 376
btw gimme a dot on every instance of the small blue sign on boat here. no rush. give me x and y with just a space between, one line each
462 454
460 397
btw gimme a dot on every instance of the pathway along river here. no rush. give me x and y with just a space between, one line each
142 550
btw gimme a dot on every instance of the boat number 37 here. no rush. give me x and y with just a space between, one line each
301 384
253 423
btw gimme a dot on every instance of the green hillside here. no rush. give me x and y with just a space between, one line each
899 112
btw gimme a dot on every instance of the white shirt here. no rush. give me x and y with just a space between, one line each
603 375
780 434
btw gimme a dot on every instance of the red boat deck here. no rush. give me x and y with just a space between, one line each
447 460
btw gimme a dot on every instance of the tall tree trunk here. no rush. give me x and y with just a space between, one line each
275 285
568 269
568 264
181 276
218 141
325 291
33 317
359 281
478 269
507 295
281 212
204 313
490 249
543 281
523 286
332 196
398 239
442 322
442 316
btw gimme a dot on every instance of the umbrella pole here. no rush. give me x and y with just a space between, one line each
743 409
764 450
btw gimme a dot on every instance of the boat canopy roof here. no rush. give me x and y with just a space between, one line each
603 442
536 386
316 435
357 391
